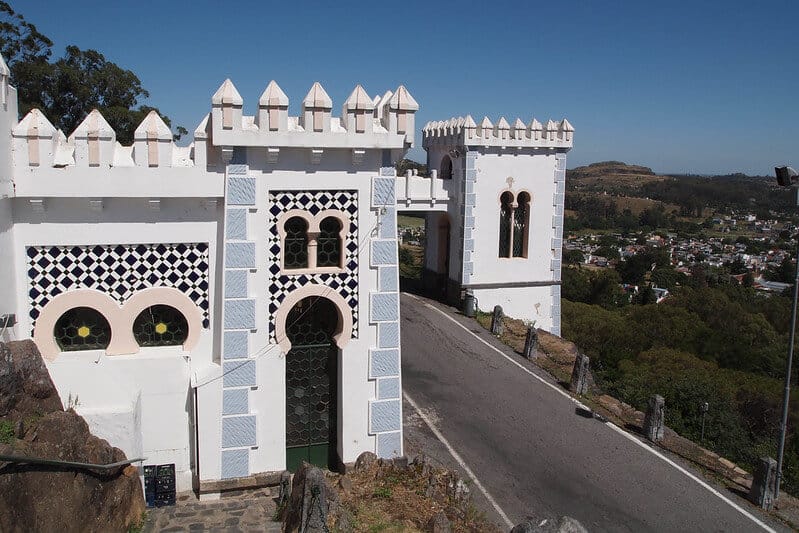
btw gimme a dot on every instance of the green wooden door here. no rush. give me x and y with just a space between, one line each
311 384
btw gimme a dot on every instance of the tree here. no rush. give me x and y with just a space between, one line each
576 284
69 88
606 289
737 266
598 287
653 217
783 273
573 257
607 252
627 222
408 164
634 268
20 41
646 296
665 277
603 334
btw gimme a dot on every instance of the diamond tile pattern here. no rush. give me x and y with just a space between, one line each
118 270
345 283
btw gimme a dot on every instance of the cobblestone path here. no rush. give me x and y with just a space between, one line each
243 511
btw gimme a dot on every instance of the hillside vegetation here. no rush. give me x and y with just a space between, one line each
715 338
605 189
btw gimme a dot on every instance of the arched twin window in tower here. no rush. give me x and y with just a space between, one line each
514 224
313 243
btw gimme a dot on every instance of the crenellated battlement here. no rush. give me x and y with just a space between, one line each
385 122
38 144
464 131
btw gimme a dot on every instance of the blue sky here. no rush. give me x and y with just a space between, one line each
702 86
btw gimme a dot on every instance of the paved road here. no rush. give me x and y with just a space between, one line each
527 445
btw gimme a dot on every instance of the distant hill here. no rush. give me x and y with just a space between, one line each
636 187
611 176
613 167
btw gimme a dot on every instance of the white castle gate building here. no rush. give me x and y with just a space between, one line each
232 306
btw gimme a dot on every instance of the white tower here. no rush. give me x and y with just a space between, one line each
506 223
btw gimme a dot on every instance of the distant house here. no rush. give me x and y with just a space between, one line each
770 286
660 294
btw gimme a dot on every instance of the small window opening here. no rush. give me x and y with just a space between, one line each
328 251
82 328
506 201
521 222
296 243
160 325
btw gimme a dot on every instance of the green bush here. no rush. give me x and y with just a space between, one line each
7 433
711 345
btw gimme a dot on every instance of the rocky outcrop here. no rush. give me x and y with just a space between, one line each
25 385
309 502
50 498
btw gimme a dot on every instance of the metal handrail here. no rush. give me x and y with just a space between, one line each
56 462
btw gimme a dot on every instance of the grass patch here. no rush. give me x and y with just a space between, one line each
389 498
558 354
138 527
382 492
410 261
7 433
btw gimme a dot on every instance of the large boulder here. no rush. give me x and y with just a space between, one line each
309 502
36 497
25 384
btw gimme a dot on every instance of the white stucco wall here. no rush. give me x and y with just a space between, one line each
142 402
524 303
8 119
8 292
532 173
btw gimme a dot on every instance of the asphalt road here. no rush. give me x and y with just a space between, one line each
530 449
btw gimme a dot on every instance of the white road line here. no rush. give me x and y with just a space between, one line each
609 424
459 459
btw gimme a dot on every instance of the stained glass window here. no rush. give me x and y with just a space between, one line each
160 325
296 244
520 223
328 251
505 224
82 328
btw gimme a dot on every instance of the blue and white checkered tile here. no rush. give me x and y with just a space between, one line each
118 270
345 283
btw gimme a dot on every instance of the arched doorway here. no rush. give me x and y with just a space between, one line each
312 384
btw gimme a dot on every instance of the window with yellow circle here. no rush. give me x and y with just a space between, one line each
82 328
160 325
